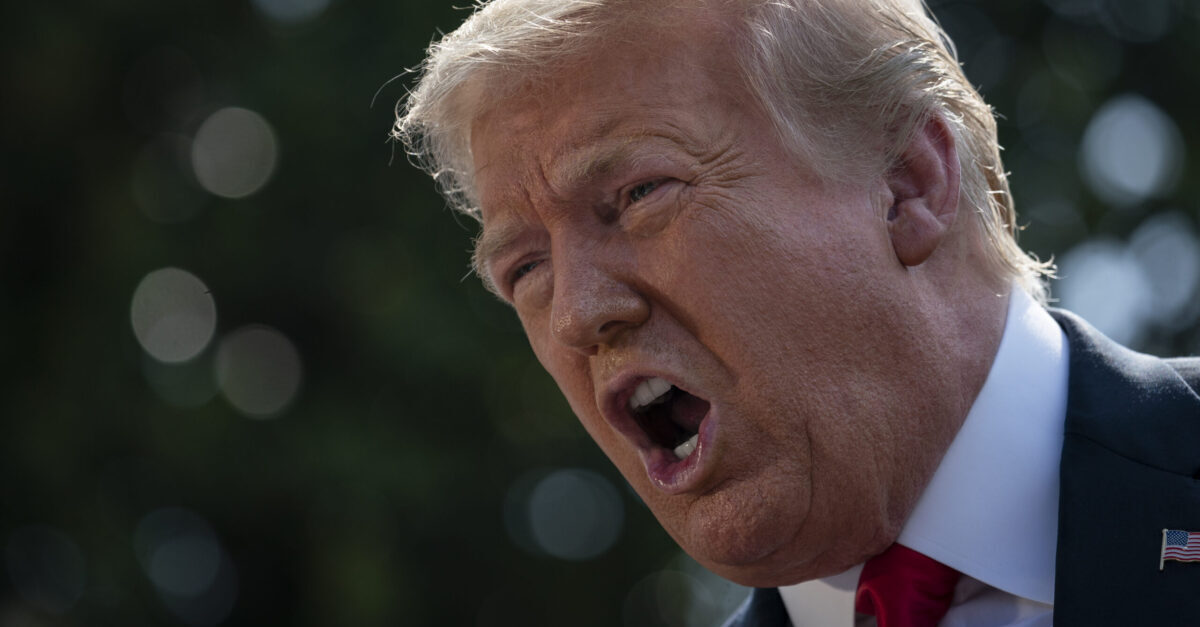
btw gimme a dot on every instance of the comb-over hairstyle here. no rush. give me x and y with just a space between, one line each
846 83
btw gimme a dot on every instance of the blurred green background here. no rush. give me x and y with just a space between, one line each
247 380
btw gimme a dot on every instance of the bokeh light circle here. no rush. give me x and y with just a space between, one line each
178 551
663 598
1141 21
258 370
173 315
1074 8
1131 151
710 596
291 11
181 555
46 567
234 153
1168 252
185 565
1101 282
575 514
185 385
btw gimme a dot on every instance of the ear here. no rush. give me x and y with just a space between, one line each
924 187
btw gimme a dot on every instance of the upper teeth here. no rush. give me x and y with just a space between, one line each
648 392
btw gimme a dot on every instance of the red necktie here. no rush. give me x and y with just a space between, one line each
903 588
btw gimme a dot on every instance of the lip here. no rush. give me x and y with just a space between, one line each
676 476
668 473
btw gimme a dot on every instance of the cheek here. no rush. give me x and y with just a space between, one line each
571 373
573 381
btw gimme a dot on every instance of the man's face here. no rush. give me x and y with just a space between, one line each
653 235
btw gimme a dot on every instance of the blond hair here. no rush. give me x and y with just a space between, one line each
846 83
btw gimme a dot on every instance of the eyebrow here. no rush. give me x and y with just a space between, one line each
491 244
575 170
591 163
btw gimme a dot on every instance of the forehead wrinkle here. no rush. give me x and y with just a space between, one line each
578 167
569 172
589 155
598 141
572 172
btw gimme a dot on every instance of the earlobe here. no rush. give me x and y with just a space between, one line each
925 190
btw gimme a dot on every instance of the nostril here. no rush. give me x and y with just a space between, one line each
610 326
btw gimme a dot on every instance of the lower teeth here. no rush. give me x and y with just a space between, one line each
685 449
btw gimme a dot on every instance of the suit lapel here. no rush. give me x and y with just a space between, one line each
1131 456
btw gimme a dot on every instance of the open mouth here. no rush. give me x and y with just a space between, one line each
670 416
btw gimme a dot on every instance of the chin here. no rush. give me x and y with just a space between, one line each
784 567
773 548
750 548
769 572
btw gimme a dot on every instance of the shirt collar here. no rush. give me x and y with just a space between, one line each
991 508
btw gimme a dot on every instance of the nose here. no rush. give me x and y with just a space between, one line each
595 301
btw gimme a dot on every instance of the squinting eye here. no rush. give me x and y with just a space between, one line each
641 191
523 269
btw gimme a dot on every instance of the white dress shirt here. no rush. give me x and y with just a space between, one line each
991 509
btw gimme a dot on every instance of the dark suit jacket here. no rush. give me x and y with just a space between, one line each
1130 468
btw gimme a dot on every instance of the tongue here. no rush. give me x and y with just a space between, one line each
688 411
674 420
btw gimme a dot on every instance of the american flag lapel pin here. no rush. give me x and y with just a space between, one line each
1181 546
